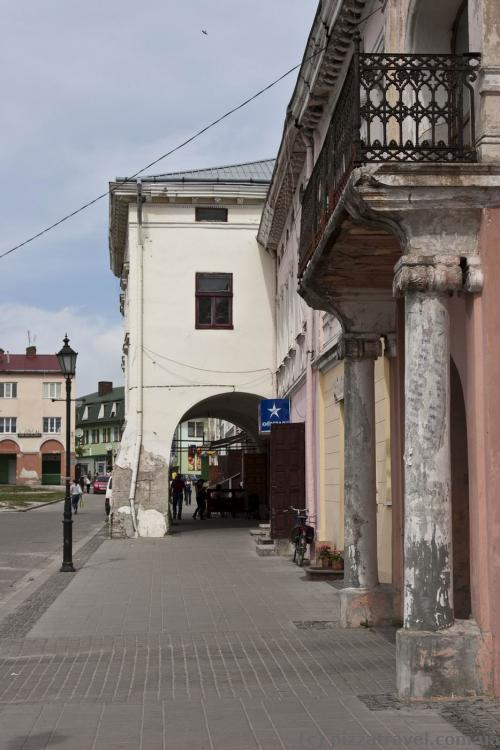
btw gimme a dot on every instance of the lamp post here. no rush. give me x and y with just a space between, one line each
67 363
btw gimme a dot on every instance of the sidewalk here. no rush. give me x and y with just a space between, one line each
195 642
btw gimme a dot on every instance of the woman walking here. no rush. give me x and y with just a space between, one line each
76 493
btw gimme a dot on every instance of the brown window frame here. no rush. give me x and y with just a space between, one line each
214 295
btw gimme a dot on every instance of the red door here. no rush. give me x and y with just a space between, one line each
287 475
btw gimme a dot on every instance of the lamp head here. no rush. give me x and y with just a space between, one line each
67 359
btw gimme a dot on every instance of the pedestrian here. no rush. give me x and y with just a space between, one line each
76 493
87 483
187 491
201 500
177 496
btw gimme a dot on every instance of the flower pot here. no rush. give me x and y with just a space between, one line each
324 562
338 564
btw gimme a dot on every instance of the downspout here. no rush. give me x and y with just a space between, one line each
139 361
310 437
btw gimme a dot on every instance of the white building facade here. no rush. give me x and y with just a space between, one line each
198 303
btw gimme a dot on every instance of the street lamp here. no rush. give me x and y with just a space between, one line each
67 362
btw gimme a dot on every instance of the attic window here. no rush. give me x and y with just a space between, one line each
113 410
85 414
101 412
210 214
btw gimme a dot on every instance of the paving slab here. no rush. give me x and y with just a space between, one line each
193 641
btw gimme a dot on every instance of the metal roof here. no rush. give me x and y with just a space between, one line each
252 171
29 363
93 402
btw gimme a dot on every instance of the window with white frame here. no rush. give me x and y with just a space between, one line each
52 424
51 390
116 434
85 414
95 436
106 434
8 390
101 412
113 410
8 425
195 429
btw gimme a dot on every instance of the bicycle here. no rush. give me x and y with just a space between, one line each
302 535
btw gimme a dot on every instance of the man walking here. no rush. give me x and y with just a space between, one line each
201 500
187 492
177 496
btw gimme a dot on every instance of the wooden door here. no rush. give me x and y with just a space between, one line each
287 475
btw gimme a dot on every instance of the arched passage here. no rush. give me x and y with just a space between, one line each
8 461
438 27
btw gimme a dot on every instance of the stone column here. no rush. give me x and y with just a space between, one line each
435 656
362 600
428 596
360 488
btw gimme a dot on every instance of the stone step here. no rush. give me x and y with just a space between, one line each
256 532
265 550
266 540
264 525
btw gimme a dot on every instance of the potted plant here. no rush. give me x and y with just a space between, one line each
324 554
337 558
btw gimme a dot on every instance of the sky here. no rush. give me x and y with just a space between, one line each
97 89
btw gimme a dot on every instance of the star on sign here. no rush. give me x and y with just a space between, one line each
274 412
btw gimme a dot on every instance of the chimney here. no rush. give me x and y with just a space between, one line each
31 351
104 387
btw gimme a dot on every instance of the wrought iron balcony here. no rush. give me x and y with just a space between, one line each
392 108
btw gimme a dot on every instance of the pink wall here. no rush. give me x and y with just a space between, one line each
482 398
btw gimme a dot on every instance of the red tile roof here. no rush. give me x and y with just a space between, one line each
23 363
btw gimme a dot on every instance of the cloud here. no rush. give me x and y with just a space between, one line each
97 341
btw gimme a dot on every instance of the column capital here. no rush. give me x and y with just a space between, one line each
428 273
360 346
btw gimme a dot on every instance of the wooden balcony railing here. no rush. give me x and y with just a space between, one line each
403 108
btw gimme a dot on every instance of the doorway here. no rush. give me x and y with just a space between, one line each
51 468
459 498
8 463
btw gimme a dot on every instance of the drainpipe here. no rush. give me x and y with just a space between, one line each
139 362
310 436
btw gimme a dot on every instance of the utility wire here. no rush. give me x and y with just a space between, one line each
163 156
202 369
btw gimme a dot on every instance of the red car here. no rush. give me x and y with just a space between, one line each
100 485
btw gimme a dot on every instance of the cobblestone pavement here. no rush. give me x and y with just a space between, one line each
188 643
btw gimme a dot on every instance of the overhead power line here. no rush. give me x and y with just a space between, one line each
160 158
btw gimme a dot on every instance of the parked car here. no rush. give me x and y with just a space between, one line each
100 484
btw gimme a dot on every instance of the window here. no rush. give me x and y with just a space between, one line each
210 214
214 300
95 436
52 424
101 412
85 414
8 390
8 424
116 434
106 435
51 390
113 410
85 437
195 429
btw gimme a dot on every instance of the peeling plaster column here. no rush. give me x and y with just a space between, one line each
360 488
428 575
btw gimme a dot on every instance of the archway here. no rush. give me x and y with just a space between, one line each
8 461
52 461
247 461
438 27
460 497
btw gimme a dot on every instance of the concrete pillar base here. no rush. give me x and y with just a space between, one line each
444 663
361 607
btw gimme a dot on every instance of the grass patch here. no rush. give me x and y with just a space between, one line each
16 496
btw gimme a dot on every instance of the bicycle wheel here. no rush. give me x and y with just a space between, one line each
295 551
301 551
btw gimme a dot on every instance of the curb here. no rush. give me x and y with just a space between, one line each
33 507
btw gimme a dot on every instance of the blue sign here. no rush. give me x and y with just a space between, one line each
273 411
